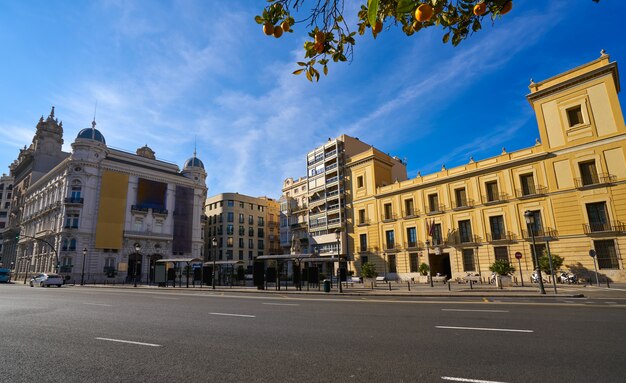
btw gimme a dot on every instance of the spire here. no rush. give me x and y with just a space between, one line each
195 144
52 113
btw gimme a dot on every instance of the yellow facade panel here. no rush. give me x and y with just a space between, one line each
615 162
111 210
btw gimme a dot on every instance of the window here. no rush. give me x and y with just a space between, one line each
250 243
537 227
65 244
261 244
251 232
72 246
242 230
364 259
433 203
230 229
230 217
465 231
241 242
363 242
261 221
391 258
229 255
574 116
220 230
250 220
468 260
389 239
411 237
250 255
588 173
362 216
408 208
241 218
528 184
496 223
241 204
359 182
230 203
158 226
221 218
241 255
388 211
71 220
606 254
460 197
492 191
75 190
501 253
598 219
413 262
436 234
260 232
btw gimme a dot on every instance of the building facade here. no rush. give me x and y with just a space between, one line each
6 193
294 216
102 214
460 220
244 227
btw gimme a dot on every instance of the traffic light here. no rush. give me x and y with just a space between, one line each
17 238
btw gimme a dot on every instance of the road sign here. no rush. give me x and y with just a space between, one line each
518 255
592 253
196 266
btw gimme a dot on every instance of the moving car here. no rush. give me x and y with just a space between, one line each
5 275
45 280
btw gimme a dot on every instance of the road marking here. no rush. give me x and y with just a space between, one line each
485 300
130 342
97 304
172 299
485 311
611 302
234 315
469 380
282 304
482 329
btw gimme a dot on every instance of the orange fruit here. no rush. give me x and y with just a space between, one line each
278 31
319 47
424 12
320 37
506 8
378 27
480 9
285 26
268 28
416 25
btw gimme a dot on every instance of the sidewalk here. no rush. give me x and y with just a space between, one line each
406 290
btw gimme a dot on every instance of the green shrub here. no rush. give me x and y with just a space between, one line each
368 270
502 267
423 269
544 262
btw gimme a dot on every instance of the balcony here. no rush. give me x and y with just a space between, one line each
335 221
332 207
501 237
331 167
317 159
601 228
542 234
438 209
360 249
495 198
363 222
464 204
410 213
392 247
73 200
456 239
594 180
332 180
531 192
388 217
317 224
298 225
415 245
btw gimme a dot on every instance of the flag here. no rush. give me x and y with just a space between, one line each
431 229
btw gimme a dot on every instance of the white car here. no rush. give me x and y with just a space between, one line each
45 280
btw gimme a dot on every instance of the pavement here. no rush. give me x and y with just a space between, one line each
617 290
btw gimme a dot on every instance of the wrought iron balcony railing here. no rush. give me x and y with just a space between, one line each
541 234
495 198
595 180
596 227
501 237
531 191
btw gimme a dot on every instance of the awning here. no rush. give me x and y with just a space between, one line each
175 260
282 256
210 263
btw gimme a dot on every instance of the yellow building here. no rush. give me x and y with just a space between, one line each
573 183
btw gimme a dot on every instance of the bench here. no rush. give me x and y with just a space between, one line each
381 279
440 278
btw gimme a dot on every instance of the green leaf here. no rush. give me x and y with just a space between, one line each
405 6
308 76
325 70
446 37
372 11
298 71
258 19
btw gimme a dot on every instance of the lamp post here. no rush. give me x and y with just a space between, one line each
430 270
338 237
82 274
530 221
137 251
214 243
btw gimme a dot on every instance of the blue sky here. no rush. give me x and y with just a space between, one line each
167 74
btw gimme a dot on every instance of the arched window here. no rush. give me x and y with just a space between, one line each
76 189
72 244
65 244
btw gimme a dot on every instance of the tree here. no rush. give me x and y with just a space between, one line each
423 269
331 38
502 267
544 262
368 270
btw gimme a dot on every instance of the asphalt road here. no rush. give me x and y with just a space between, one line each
74 334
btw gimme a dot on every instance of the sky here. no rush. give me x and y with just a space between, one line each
184 75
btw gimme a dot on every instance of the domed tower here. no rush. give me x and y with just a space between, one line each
89 145
194 169
48 138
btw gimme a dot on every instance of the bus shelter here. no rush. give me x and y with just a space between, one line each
224 272
306 268
163 274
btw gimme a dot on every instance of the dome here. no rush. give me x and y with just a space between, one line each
194 162
91 134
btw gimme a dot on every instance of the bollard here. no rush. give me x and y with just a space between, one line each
408 283
607 283
471 288
448 285
372 284
389 283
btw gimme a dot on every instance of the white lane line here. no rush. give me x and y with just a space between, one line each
484 311
468 380
97 304
483 329
234 315
282 304
173 299
130 342
611 302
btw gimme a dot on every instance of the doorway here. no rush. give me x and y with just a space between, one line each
134 267
440 264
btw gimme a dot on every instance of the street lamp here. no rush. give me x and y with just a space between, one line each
338 237
82 274
214 243
530 222
430 270
137 250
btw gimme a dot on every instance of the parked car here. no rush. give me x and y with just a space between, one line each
5 275
45 280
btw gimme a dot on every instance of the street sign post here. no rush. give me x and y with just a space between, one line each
518 255
592 254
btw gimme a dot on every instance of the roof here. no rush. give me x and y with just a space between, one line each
223 263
